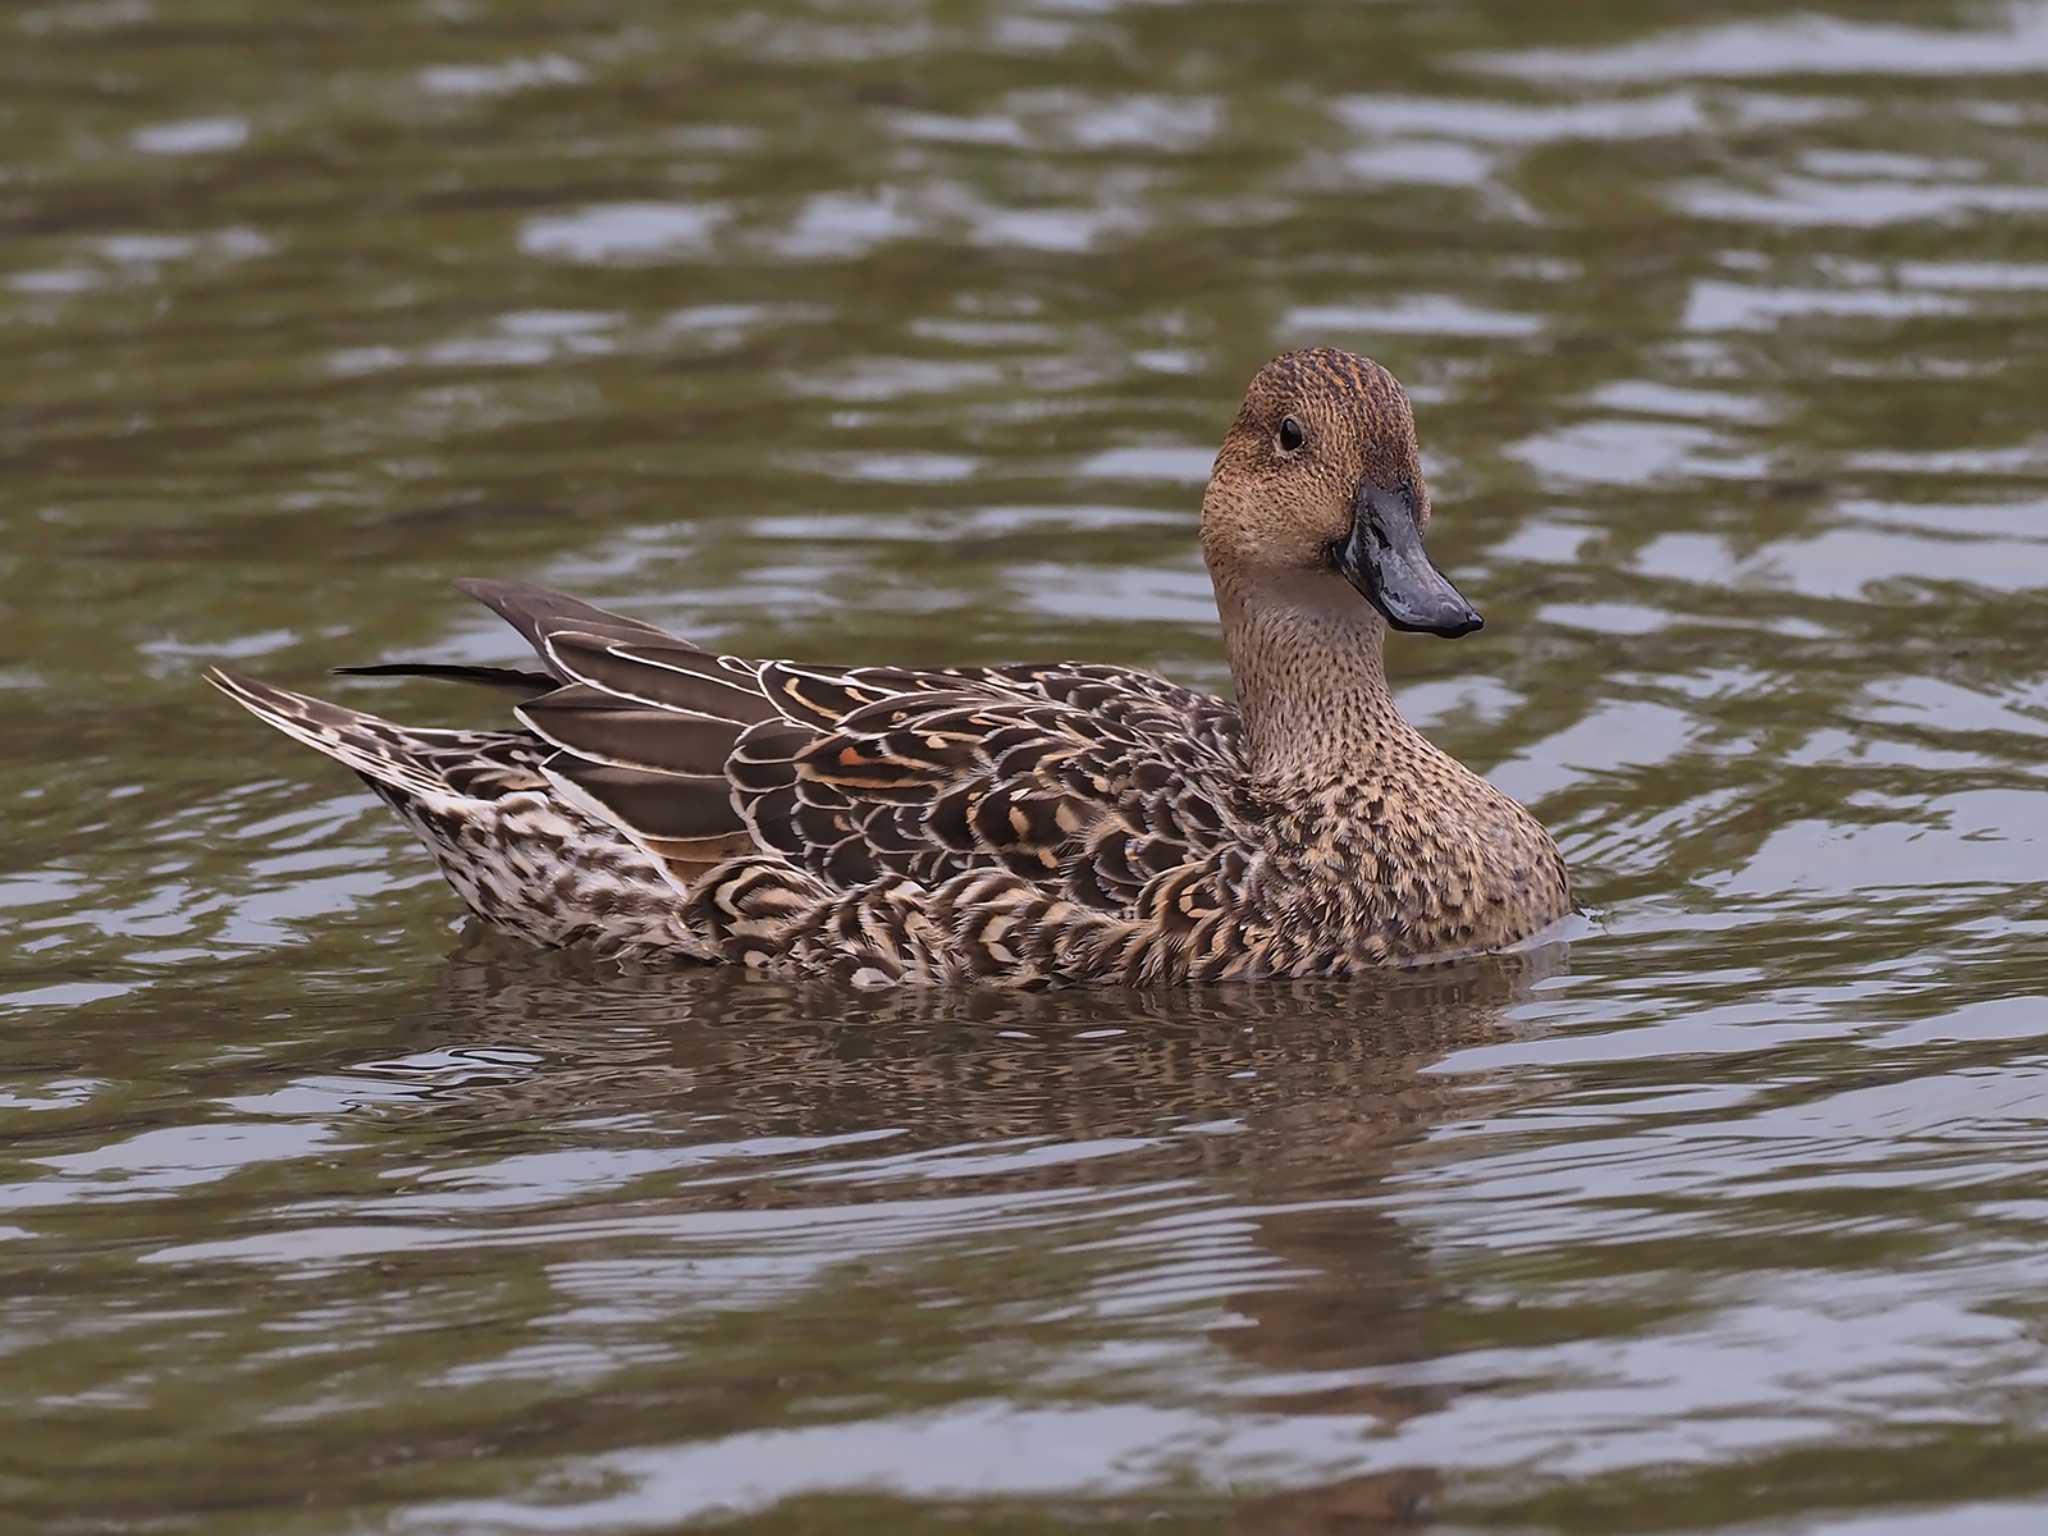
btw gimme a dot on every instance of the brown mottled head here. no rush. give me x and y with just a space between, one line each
1320 474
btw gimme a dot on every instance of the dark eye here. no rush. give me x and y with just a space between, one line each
1291 435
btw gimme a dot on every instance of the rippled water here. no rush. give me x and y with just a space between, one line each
876 330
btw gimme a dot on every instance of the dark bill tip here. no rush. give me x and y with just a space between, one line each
1450 626
1384 559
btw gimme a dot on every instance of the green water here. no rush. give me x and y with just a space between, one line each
867 330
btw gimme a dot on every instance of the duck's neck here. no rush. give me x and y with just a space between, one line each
1306 653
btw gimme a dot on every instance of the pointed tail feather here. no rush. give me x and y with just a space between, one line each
374 748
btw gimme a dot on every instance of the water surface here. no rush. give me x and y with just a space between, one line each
877 331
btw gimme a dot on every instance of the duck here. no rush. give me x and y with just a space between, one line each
1023 825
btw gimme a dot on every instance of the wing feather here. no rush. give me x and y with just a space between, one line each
1100 786
1090 783
626 734
669 677
537 612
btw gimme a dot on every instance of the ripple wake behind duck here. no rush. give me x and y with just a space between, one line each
1022 824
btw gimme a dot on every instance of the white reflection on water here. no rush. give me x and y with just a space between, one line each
2015 43
623 231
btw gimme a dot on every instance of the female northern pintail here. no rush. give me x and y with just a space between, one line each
1025 825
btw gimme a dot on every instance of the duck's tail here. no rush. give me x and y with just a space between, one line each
518 854
393 756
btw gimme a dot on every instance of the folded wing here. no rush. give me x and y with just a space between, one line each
1091 782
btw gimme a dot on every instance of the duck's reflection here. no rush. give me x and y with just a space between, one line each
1286 1108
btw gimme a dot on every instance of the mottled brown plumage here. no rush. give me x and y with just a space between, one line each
1024 825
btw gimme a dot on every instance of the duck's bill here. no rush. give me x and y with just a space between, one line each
1385 560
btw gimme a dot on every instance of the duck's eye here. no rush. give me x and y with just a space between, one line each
1291 436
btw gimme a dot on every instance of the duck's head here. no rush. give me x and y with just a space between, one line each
1320 477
